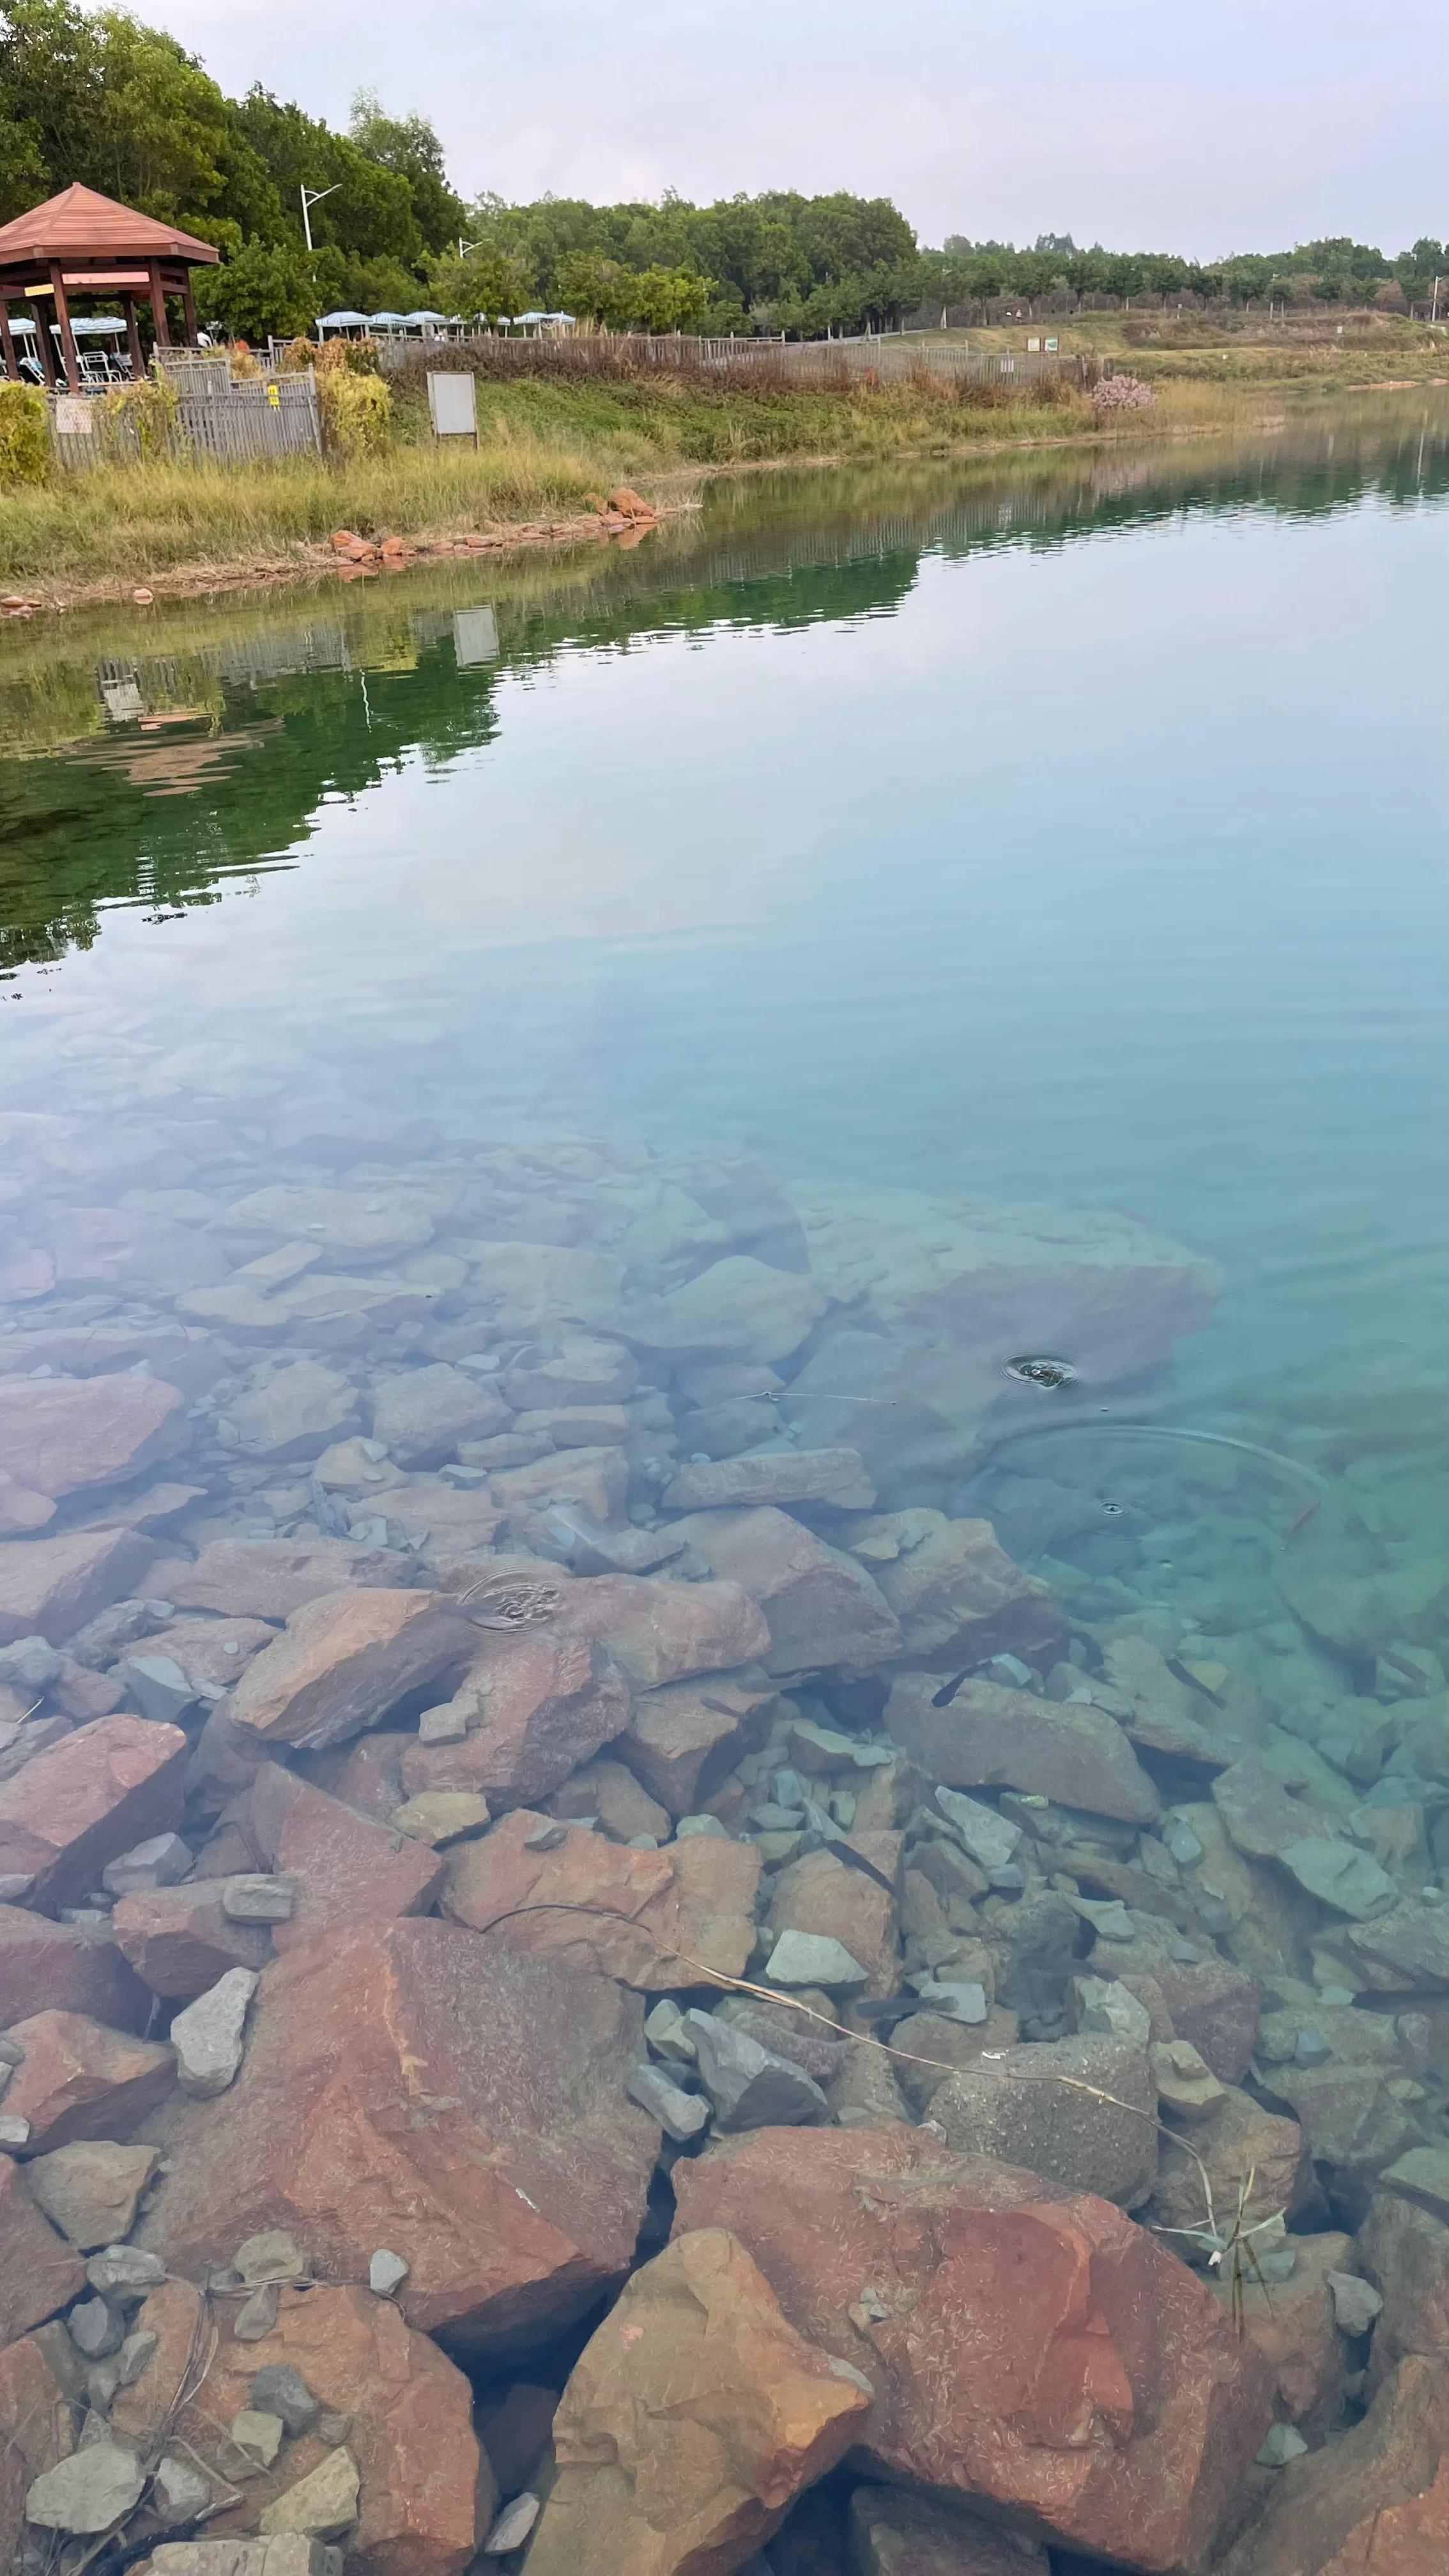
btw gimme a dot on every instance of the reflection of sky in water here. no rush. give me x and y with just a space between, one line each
1109 875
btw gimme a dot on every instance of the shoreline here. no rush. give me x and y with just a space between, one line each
321 559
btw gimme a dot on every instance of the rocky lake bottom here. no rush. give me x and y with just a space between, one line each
724 1807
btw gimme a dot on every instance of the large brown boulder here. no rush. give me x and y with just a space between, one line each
538 1704
59 1435
426 2491
180 1940
269 1578
991 1737
86 1799
1374 2504
461 2104
684 1910
958 1596
346 1659
49 1587
682 1740
39 2272
78 2080
661 1631
820 1605
35 2432
1032 2350
693 2418
57 1964
344 1868
1211 2003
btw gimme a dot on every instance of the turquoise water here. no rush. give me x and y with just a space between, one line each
1071 833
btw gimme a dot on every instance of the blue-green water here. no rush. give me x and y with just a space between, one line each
1071 834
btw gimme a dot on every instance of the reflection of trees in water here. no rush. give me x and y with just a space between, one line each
180 773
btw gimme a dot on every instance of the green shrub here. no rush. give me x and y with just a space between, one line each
350 357
356 412
148 410
24 435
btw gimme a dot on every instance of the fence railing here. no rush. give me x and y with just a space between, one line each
217 421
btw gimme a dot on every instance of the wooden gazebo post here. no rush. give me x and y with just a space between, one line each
158 304
7 344
133 337
67 336
43 340
188 307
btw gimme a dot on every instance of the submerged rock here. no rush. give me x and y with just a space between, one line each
436 2113
1031 2350
695 2415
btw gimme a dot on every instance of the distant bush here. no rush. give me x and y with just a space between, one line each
356 412
147 410
24 435
1121 393
349 357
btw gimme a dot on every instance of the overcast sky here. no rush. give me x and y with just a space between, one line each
1231 125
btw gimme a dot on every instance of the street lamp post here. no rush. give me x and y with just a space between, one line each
313 197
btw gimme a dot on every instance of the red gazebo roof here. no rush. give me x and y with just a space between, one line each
82 224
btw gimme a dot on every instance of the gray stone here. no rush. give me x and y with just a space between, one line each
15 1883
271 2256
279 2389
11 2053
95 2329
1104 2005
257 2436
256 2317
1282 2445
814 1959
989 1838
513 2525
1350 1881
1310 2048
93 2489
1082 2112
1108 1917
124 2272
89 2190
161 1862
667 2032
179 2491
157 1686
289 2553
386 2273
680 2115
445 1724
209 2035
135 2355
253 1897
1356 2303
699 1825
103 2380
14 2133
749 2086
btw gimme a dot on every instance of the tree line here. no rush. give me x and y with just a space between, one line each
99 97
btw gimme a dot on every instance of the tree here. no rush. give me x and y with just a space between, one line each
409 146
266 288
486 285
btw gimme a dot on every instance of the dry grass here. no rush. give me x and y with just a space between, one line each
141 519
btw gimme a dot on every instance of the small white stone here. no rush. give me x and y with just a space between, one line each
386 2273
814 1959
208 2036
513 2526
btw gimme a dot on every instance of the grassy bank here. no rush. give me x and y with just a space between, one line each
548 447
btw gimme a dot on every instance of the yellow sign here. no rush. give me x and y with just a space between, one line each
274 397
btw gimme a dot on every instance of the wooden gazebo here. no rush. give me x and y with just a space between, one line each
81 243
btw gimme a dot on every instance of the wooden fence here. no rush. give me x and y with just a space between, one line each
217 422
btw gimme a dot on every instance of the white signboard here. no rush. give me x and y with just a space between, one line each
74 417
453 402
